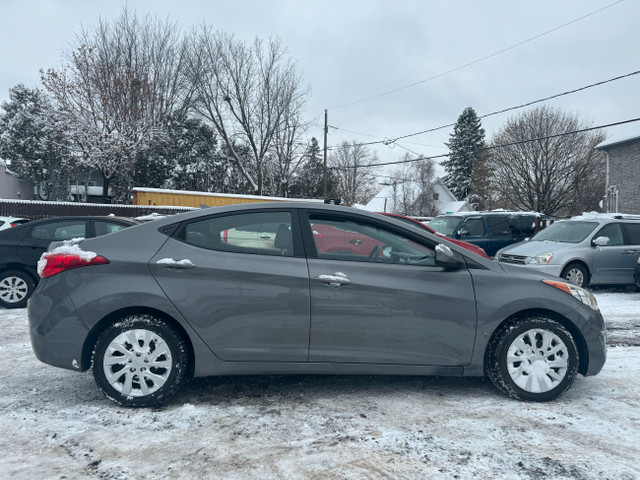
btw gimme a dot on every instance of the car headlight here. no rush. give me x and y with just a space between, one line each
542 258
581 294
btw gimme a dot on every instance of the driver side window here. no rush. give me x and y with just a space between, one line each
613 232
337 238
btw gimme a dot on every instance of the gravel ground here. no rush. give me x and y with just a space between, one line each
56 424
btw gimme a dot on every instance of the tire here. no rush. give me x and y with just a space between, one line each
15 289
534 359
576 274
122 360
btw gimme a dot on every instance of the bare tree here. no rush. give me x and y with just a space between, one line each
250 92
551 175
115 88
352 164
290 151
413 184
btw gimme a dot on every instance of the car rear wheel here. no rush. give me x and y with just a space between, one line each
533 359
140 361
15 289
576 274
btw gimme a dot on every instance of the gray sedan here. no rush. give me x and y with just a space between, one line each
334 290
591 249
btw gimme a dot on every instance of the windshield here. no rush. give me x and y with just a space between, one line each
566 232
444 225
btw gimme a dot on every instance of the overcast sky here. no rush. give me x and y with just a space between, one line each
350 50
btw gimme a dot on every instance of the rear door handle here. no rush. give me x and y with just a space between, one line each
184 264
336 280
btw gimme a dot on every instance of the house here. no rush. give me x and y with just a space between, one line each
12 186
623 171
388 199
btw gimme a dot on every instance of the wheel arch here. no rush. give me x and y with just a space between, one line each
113 317
21 268
583 350
580 262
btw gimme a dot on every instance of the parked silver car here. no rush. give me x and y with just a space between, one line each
591 249
154 304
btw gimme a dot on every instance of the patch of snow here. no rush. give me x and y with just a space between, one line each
170 261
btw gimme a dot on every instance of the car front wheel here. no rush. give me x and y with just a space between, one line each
534 359
140 361
15 289
576 274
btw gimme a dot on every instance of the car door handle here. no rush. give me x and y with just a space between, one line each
265 237
183 264
629 252
355 241
336 280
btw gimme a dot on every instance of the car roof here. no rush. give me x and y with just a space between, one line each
604 217
69 218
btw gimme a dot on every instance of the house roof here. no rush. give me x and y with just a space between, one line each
632 132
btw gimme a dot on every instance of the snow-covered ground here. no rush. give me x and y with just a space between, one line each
55 424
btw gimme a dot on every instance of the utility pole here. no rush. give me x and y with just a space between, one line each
324 173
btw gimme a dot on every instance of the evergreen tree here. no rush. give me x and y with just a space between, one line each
309 183
30 138
465 146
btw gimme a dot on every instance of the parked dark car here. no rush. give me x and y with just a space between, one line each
462 243
150 306
488 230
22 246
636 274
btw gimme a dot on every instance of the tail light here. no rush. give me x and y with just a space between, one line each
52 263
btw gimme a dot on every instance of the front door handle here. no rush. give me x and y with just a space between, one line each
629 252
336 280
355 241
184 264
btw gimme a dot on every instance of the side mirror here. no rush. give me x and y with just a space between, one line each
447 258
462 233
601 241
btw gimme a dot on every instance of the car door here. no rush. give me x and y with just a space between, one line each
36 242
391 305
612 261
247 302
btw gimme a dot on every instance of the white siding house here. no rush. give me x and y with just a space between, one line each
386 200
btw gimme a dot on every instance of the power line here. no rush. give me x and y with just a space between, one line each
491 147
386 139
516 107
476 61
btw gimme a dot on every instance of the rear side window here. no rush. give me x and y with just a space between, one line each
60 230
499 225
105 227
527 224
632 233
259 233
